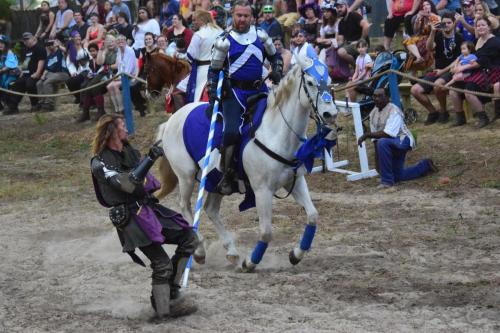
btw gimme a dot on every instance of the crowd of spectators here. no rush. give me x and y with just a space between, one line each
449 42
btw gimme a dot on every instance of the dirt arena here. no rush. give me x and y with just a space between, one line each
421 257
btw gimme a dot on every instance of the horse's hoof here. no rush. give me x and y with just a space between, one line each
248 267
233 258
293 259
200 260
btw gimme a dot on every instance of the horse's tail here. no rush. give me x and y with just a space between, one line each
168 178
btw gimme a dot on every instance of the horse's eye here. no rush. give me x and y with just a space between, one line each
310 84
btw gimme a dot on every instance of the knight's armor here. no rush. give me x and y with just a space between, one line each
241 56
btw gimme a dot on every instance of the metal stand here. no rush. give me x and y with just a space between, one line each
330 165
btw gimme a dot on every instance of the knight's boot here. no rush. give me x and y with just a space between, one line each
160 299
84 116
459 119
483 119
225 185
179 266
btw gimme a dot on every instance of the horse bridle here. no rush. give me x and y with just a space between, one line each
322 89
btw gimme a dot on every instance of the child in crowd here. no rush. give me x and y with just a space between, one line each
364 64
466 58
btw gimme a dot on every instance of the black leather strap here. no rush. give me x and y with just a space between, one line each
272 154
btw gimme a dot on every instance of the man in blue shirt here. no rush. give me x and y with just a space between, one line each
443 6
118 7
55 72
465 22
270 23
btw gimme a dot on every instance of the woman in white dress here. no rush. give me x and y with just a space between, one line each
144 24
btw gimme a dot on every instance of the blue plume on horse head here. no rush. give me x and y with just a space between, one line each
319 71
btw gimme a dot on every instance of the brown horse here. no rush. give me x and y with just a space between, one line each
163 71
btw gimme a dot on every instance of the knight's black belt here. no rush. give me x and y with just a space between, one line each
202 62
246 85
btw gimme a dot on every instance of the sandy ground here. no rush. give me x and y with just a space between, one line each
417 258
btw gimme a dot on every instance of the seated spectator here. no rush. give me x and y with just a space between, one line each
127 63
480 10
444 43
63 22
466 58
393 140
46 21
302 47
352 27
8 68
94 96
399 12
168 9
178 31
109 16
286 55
106 57
310 22
420 58
153 12
144 24
270 24
123 27
77 60
290 16
32 69
487 52
490 5
90 7
81 26
329 26
55 72
161 43
95 33
443 6
119 7
465 21
363 69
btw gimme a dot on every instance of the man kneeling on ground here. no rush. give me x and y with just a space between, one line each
392 141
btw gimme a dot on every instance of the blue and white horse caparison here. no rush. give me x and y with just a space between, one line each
302 94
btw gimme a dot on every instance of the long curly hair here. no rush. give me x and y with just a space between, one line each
105 128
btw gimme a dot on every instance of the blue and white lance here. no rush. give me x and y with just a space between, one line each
206 161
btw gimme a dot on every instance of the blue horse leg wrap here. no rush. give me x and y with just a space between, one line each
307 237
258 252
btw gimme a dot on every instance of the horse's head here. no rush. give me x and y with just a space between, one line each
162 70
315 91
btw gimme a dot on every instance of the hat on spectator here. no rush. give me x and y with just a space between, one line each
27 35
467 3
268 9
341 2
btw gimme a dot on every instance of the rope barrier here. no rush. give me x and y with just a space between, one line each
412 78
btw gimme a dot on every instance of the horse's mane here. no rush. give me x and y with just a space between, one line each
284 90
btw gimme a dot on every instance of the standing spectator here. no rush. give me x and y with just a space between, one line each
420 58
95 33
144 24
32 69
392 141
480 10
109 16
81 26
363 69
352 27
77 61
199 52
55 72
309 21
329 26
123 27
135 90
63 22
465 21
118 7
46 21
95 95
8 67
286 55
179 31
487 52
167 10
270 24
399 12
444 43
443 6
127 63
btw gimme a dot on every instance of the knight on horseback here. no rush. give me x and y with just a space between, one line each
240 53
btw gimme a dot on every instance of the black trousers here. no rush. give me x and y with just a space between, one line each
75 83
137 99
24 83
165 269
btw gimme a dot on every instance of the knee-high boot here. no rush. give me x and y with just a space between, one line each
225 185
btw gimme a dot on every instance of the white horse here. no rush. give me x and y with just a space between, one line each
302 94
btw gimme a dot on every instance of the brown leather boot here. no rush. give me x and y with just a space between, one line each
459 119
99 114
84 116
